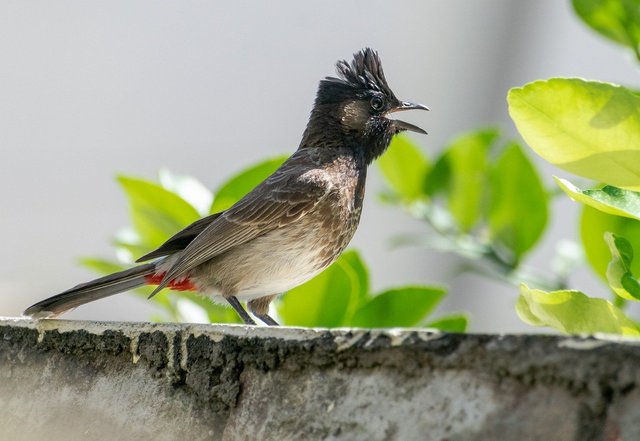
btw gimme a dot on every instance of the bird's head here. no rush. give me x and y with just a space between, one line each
359 103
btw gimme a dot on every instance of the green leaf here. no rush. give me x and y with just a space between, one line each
618 20
100 266
572 312
609 199
189 189
461 173
398 307
156 212
619 273
356 265
593 225
405 168
450 323
239 185
128 252
518 206
325 300
588 128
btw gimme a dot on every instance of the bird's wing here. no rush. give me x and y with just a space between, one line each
283 198
181 239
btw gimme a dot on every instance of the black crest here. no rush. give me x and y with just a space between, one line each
358 78
365 71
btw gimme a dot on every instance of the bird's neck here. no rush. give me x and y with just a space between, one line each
325 130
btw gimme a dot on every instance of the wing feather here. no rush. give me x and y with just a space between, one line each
181 239
290 193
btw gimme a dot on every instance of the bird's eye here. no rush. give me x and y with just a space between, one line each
377 103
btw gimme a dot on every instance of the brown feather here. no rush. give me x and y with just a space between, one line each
281 199
181 239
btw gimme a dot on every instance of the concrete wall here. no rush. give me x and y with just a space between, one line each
66 380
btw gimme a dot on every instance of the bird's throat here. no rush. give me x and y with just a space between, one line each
326 131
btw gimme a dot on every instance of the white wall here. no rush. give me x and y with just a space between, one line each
89 89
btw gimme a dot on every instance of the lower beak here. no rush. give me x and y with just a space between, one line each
402 125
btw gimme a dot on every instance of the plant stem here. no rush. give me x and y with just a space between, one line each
476 250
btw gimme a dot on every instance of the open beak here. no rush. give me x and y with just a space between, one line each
402 125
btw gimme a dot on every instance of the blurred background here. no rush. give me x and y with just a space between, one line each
88 90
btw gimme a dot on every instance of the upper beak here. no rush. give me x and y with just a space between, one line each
406 105
402 125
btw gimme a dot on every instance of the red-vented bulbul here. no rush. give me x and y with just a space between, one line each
291 226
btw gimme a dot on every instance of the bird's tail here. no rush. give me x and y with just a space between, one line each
88 292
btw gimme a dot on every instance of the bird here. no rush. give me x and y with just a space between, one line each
291 226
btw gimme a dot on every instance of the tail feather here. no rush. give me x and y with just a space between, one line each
94 290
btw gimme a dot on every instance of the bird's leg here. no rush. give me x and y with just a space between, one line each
246 318
260 307
266 318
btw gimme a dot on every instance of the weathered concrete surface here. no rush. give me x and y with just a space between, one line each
64 380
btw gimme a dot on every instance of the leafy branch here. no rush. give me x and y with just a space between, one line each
591 129
487 205
482 200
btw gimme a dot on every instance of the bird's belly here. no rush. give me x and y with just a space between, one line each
272 285
270 264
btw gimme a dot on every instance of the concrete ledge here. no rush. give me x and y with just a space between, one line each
68 380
